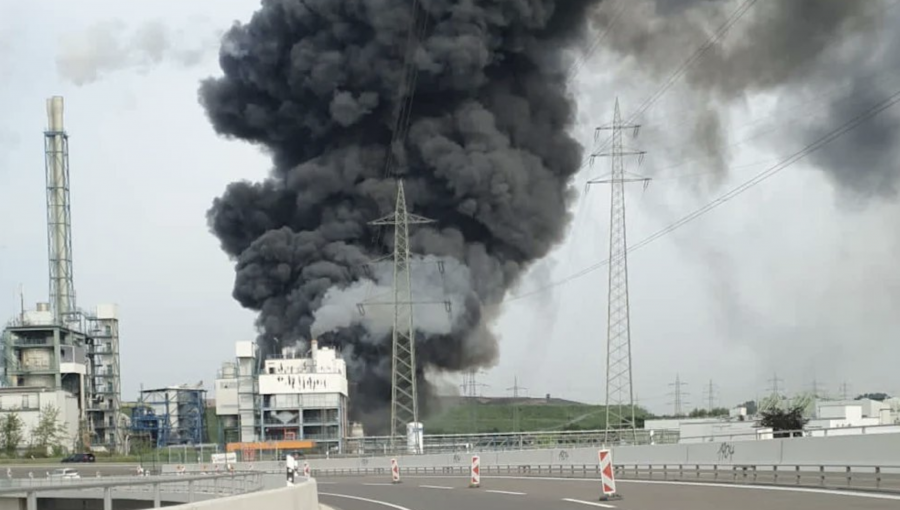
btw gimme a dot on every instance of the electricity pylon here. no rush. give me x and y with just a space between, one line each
620 412
404 397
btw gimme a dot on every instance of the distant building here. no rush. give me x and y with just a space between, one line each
704 430
286 398
79 357
850 414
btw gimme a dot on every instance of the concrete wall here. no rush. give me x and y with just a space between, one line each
303 496
857 450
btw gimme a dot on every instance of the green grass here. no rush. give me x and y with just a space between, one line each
487 416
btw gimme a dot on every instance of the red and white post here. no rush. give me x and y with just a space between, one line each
395 471
475 473
306 470
607 476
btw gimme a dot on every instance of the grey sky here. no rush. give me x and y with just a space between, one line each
788 277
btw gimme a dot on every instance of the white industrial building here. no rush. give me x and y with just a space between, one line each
857 416
29 402
701 430
284 397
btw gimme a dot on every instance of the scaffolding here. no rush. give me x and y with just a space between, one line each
170 416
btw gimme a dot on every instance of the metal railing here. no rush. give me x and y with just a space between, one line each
830 476
219 485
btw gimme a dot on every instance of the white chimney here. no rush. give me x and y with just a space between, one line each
313 348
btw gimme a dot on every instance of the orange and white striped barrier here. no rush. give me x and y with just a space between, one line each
395 471
607 476
475 474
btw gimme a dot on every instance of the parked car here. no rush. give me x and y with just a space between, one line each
80 457
64 474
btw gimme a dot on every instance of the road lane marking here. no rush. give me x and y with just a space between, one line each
378 484
511 493
724 485
590 503
366 500
435 487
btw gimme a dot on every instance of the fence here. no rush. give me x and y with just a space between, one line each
210 485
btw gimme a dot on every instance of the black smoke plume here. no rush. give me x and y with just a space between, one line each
825 60
488 156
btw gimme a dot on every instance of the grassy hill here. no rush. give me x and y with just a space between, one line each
485 415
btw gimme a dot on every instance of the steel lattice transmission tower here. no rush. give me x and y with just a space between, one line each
404 398
620 412
59 215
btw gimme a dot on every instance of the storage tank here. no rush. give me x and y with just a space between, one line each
415 438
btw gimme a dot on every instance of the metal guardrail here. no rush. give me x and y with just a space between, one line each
229 484
836 477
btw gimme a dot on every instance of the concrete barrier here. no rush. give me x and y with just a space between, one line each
302 496
859 450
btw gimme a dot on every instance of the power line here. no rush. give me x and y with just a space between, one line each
890 101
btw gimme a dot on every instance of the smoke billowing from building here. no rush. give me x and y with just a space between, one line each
488 156
825 60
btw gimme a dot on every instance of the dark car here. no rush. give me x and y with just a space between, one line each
80 457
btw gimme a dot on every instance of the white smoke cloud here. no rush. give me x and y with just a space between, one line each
432 288
110 46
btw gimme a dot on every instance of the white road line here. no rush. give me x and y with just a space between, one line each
511 493
435 487
724 485
367 500
590 503
378 484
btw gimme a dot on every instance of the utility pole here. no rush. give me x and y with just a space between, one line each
679 396
817 392
619 383
845 391
710 396
776 385
515 389
470 389
404 397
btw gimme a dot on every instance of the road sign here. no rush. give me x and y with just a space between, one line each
395 471
607 475
475 475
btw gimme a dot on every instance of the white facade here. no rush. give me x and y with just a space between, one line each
699 430
28 403
290 398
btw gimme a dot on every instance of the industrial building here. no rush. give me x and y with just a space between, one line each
284 398
58 354
174 415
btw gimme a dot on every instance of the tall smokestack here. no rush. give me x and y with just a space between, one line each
59 223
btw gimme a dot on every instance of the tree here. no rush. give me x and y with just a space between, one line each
880 397
11 432
784 417
49 433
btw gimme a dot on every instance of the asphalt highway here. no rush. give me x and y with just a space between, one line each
498 493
